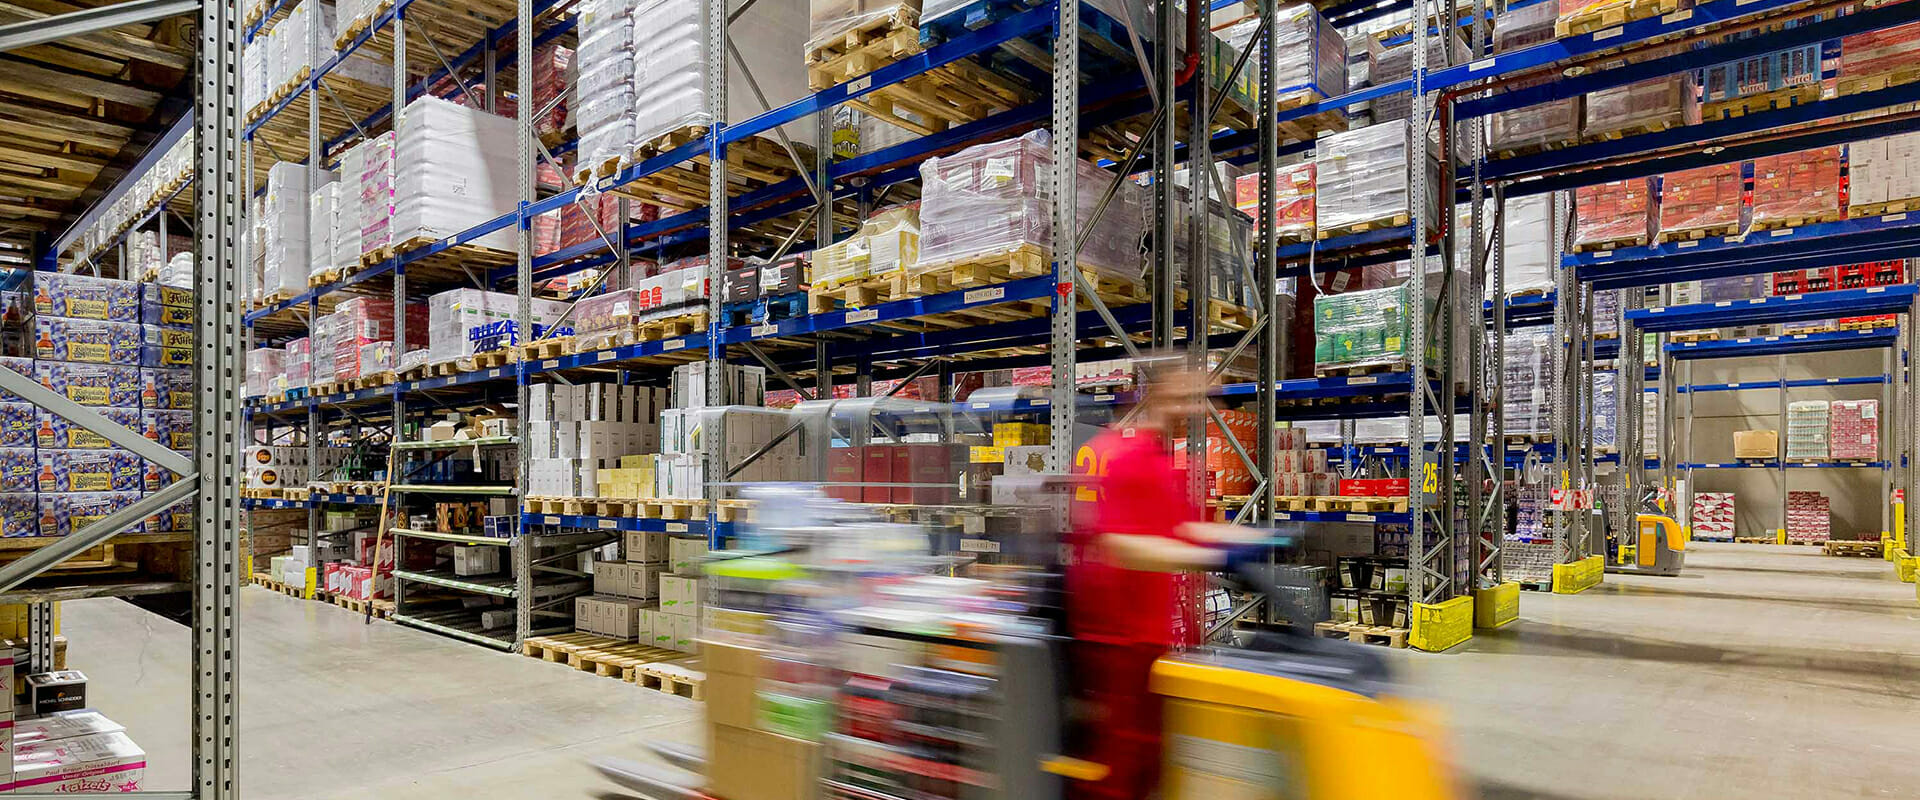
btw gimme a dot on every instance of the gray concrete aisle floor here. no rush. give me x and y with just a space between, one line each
1761 672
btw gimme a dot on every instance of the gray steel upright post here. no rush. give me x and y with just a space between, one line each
1165 140
523 548
1066 256
715 466
1268 263
1199 219
315 156
1629 379
1560 413
217 377
1424 583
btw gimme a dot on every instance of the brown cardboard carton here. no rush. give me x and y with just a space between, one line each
1756 444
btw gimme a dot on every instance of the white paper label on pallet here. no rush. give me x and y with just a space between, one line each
1780 232
672 344
1688 243
984 295
1603 254
1601 36
1361 381
1481 65
1657 310
549 364
979 546
1677 16
762 330
863 315
1359 517
1791 297
859 84
1876 289
550 520
1893 217
493 373
676 527
604 355
607 524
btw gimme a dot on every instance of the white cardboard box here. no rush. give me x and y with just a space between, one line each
647 547
685 554
96 763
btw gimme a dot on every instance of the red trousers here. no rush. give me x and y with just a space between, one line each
1120 727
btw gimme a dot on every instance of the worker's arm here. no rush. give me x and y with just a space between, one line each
1161 553
1220 533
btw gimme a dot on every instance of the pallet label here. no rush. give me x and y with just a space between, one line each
984 295
604 355
763 330
550 520
979 546
859 84
607 524
1601 36
1677 16
671 345
1688 243
1359 517
1894 217
549 363
1361 381
676 527
1481 65
863 315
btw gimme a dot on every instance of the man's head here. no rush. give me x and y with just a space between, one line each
1174 390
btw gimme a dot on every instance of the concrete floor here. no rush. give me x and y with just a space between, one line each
1761 672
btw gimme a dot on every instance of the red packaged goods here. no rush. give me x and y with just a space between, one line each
1615 214
1713 516
1702 202
1543 123
1880 52
1796 188
1655 104
1809 517
1032 376
1801 281
1853 430
1293 200
1373 487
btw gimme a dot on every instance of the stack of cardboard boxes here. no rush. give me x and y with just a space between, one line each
1713 516
1809 517
576 430
1853 432
1701 202
747 761
652 595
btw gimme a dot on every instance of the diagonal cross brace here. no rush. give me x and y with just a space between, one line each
90 419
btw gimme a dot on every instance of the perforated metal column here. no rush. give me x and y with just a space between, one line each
1066 135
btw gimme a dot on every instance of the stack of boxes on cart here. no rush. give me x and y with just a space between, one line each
121 348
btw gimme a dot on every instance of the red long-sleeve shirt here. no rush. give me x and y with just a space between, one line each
1140 492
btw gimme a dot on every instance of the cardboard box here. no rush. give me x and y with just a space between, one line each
680 595
747 764
1756 444
685 554
60 690
646 547
97 763
876 471
733 681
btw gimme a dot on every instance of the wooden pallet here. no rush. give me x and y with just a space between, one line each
382 609
323 277
264 494
493 358
1230 316
1611 15
1858 84
1879 209
952 94
1758 102
1360 227
1771 223
1866 325
1363 634
1638 129
1533 148
550 347
1695 336
275 584
1611 243
670 677
751 163
1809 542
1869 548
608 657
1369 368
1359 505
868 45
1756 540
1698 232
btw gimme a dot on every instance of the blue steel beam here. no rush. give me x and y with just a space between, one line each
1786 344
1850 241
1785 308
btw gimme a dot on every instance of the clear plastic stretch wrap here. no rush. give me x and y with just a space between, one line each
1807 425
1528 373
604 85
1668 101
1879 171
1396 63
1617 212
1529 261
597 320
348 11
1797 188
1853 432
455 170
323 224
285 219
669 68
679 288
254 88
829 20
1362 176
462 322
887 244
1360 328
1606 411
993 199
1547 123
369 168
264 365
1701 202
1311 60
1880 51
1758 74
1293 192
1606 313
299 363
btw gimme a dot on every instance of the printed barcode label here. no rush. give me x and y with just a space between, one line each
1042 402
984 295
604 355
1601 36
549 364
672 344
1101 398
863 315
1677 16
607 524
1780 232
859 84
550 520
982 405
979 546
1894 217
763 330
1361 381
1482 64
676 527
1688 243
1359 517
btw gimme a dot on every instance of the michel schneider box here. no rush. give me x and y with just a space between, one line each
60 690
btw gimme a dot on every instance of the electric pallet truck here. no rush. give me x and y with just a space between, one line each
1658 544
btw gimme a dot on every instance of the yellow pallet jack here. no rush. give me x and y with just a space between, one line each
1659 547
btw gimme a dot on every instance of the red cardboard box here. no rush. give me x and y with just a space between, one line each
876 467
1374 487
843 472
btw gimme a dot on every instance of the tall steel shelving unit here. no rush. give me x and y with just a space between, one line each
211 475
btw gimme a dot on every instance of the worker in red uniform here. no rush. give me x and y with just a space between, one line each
1133 579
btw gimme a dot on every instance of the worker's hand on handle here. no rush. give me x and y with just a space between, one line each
1164 554
1222 534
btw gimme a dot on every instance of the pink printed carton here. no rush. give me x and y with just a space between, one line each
100 763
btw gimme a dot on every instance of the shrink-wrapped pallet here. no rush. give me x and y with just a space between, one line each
1807 423
1529 258
1707 201
463 322
370 166
299 363
1606 410
1853 432
1655 104
1809 517
1370 328
1293 191
992 199
1527 368
829 21
264 364
1613 214
1796 188
1362 176
323 224
285 221
1788 76
669 68
1541 124
1713 516
1879 173
604 85
454 170
1889 52
1606 313
679 288
1311 61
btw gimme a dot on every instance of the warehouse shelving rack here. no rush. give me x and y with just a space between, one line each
211 475
1457 94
